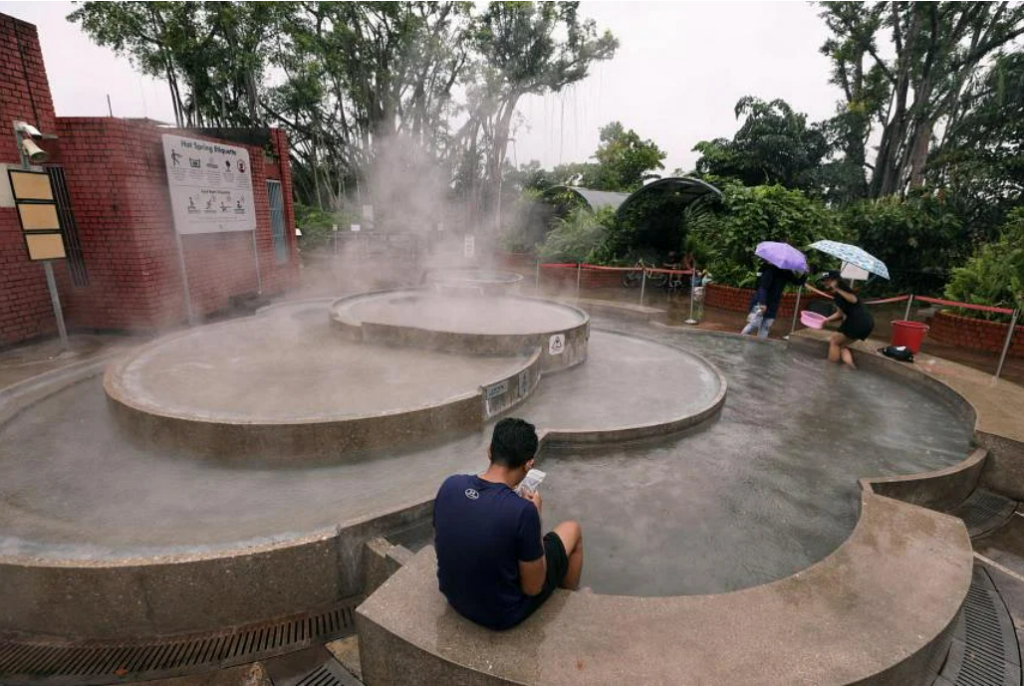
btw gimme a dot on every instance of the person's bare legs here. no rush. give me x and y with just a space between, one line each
847 356
572 538
834 349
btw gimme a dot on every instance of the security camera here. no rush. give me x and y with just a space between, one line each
33 152
27 129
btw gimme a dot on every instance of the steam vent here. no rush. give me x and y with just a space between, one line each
240 488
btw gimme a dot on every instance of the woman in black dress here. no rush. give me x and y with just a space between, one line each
857 321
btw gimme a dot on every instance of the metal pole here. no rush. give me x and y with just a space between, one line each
796 310
51 283
536 280
1009 339
693 279
184 279
910 302
256 257
643 285
579 273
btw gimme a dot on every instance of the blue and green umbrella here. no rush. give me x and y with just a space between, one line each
853 255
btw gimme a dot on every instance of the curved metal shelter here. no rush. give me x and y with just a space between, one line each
683 188
595 199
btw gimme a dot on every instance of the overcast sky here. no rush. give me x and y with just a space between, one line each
679 71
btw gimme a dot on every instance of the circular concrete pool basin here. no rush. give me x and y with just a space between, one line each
474 281
466 323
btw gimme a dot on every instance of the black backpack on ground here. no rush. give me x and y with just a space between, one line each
898 352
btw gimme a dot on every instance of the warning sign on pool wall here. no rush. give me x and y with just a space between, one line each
496 390
556 344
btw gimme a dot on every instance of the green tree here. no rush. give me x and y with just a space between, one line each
524 48
774 145
918 238
749 215
624 160
935 48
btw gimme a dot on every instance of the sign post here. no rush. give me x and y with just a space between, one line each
41 229
210 186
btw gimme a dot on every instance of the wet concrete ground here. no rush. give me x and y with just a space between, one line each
764 491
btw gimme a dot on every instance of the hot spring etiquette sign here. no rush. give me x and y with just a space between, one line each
210 184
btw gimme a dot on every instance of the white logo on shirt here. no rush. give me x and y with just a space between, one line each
471 494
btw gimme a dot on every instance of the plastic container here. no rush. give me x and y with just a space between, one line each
910 334
812 320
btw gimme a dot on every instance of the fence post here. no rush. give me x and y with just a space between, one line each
579 273
536 280
1009 339
693 279
643 285
796 311
910 303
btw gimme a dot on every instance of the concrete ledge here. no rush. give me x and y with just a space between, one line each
992 406
162 596
941 490
612 308
572 352
867 614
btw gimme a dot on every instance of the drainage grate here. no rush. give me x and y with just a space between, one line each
984 511
331 673
984 650
45 663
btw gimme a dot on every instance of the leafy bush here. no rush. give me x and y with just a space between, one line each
995 275
578 236
917 238
317 226
749 215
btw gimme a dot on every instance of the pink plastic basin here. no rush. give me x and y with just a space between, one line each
812 320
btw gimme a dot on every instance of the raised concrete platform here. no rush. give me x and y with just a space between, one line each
280 386
467 324
867 614
474 281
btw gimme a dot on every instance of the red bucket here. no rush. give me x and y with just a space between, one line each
910 334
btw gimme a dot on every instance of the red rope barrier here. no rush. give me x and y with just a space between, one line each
966 306
558 265
659 270
602 268
883 301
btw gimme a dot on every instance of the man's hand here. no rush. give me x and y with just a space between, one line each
534 497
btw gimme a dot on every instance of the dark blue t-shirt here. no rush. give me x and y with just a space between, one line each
481 532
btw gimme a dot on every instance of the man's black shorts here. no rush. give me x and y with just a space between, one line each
557 566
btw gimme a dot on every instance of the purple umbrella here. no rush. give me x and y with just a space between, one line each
782 255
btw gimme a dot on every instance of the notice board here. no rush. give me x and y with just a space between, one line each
210 185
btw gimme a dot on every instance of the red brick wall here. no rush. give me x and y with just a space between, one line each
976 334
118 187
738 299
24 302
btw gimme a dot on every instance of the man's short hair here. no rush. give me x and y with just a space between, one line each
513 443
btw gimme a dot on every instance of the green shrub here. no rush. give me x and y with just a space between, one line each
317 226
579 237
917 238
748 215
995 275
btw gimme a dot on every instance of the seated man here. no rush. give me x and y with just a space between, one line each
492 564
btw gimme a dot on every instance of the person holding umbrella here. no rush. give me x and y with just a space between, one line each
857 322
783 265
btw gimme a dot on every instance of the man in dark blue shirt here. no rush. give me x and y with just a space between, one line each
493 566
